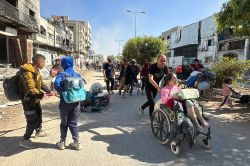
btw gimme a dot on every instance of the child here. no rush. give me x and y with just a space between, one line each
53 72
30 86
69 112
227 92
168 96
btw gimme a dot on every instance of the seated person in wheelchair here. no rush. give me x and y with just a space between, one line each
168 96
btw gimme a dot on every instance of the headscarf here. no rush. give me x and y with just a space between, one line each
67 64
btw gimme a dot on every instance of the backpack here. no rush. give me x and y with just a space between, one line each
11 89
73 89
244 99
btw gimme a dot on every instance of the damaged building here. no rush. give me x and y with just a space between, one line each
18 20
201 40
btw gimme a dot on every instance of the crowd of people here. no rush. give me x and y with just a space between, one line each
31 86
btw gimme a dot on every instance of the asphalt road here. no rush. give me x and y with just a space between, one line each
120 136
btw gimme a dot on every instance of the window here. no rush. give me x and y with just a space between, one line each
42 30
58 39
208 59
209 42
168 37
71 27
50 35
12 2
32 13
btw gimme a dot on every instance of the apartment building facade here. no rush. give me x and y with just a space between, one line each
201 40
52 40
82 36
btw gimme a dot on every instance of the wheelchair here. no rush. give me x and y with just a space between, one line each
165 128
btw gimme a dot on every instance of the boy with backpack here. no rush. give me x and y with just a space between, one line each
70 86
29 87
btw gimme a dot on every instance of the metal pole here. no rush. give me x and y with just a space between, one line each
135 25
8 53
136 12
118 48
119 44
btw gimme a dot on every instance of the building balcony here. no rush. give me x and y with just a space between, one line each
29 22
39 38
9 11
12 14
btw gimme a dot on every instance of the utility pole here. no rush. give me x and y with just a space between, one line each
135 13
119 44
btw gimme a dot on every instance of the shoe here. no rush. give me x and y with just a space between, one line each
141 110
130 94
120 93
219 109
76 145
60 145
112 92
26 144
85 109
232 109
41 133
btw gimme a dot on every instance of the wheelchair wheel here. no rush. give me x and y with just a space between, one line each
175 148
160 125
207 95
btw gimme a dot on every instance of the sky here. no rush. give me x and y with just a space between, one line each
110 21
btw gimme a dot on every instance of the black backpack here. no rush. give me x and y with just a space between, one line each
10 86
244 99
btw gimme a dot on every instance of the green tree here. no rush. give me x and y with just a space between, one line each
234 16
230 67
112 57
142 48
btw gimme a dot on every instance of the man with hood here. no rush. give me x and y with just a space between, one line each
69 112
29 87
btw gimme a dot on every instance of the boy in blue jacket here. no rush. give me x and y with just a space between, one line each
69 112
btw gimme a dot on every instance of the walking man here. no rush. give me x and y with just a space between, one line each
109 73
155 74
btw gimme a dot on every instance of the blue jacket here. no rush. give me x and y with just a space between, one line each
67 64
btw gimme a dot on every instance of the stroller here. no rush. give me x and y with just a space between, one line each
175 126
95 100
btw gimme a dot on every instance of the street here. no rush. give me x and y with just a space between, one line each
121 136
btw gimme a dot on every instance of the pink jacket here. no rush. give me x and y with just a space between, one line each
226 90
167 97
